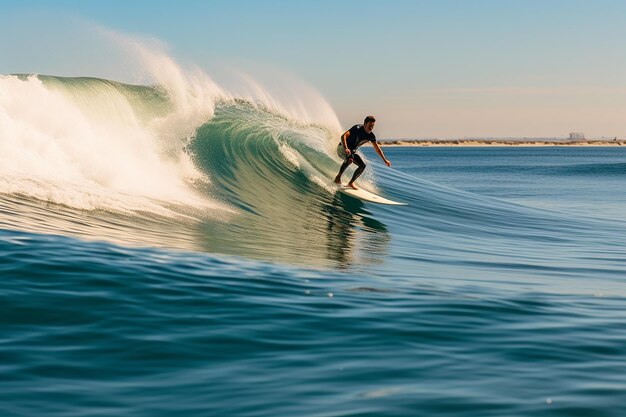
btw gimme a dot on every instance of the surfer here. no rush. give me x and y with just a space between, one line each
351 140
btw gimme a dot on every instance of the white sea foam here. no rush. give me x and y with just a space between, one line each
290 155
324 183
85 155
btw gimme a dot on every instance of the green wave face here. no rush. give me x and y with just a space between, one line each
278 173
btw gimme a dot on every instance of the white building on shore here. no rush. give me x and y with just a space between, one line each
576 136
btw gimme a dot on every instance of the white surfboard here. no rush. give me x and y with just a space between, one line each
365 195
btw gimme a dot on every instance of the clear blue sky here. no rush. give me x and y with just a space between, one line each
445 68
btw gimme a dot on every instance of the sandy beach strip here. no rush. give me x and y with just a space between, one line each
497 142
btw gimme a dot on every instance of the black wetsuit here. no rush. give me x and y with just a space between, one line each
358 136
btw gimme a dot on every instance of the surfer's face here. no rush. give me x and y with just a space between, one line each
369 126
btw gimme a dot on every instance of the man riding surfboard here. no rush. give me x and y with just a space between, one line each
351 140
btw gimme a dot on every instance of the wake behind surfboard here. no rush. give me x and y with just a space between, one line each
367 196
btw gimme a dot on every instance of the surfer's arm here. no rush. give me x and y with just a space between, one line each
380 153
344 141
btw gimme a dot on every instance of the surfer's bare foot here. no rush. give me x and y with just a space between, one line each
337 180
351 185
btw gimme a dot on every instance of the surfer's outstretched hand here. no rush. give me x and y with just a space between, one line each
387 162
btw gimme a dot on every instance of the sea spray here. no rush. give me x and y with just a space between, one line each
84 149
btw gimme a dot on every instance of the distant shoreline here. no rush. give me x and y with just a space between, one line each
500 142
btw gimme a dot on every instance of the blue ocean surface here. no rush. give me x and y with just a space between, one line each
240 283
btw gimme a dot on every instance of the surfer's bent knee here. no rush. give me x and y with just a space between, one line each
359 161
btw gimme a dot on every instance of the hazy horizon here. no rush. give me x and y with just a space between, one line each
511 138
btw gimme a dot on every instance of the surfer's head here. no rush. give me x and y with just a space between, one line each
368 123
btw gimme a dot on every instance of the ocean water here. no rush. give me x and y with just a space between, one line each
161 259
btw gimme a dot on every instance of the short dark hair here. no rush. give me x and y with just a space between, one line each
369 119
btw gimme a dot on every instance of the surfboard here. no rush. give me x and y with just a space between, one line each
365 195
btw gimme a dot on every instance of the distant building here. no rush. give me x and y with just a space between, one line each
576 136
